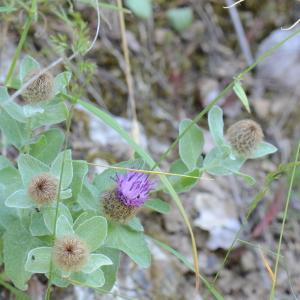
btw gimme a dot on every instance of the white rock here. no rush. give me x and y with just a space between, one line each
282 68
108 138
219 218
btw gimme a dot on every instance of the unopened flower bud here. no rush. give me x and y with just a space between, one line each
244 136
43 189
41 89
70 253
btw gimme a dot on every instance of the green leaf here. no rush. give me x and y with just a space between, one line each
141 8
56 166
83 217
61 81
80 169
130 242
158 205
95 262
247 178
50 212
53 114
183 184
14 131
263 149
216 125
17 243
93 231
28 64
5 162
180 18
19 199
29 167
13 109
191 144
37 224
48 145
7 9
239 91
219 162
7 215
88 197
63 227
180 183
110 271
38 260
32 110
11 180
135 224
93 280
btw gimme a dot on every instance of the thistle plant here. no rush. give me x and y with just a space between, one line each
73 228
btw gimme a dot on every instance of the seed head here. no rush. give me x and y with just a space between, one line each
131 191
70 253
43 189
41 89
244 136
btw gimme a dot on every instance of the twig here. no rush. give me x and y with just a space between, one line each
291 27
240 31
129 80
233 4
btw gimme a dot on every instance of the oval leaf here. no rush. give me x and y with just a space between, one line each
93 231
191 144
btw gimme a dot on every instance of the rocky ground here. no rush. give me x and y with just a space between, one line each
175 76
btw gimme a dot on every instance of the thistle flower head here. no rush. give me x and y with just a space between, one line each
41 89
133 188
43 189
131 191
70 253
244 136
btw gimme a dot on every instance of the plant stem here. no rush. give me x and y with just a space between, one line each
272 293
29 20
68 125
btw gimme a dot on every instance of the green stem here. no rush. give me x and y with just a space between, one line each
68 125
29 20
272 293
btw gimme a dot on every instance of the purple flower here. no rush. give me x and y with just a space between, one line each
133 188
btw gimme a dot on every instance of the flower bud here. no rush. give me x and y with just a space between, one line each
70 253
41 89
244 136
43 189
